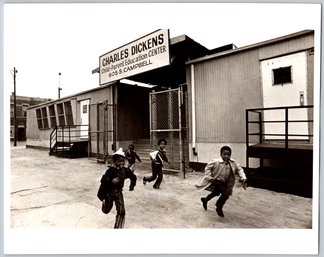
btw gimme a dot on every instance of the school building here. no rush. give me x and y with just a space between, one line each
258 99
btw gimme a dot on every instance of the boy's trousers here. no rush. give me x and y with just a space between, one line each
117 197
220 187
156 172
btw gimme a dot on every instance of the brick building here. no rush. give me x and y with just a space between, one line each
22 103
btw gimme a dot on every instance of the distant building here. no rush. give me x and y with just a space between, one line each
22 103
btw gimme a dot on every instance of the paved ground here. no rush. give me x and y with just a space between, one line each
52 192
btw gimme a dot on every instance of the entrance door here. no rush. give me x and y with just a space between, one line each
167 120
102 130
284 81
84 116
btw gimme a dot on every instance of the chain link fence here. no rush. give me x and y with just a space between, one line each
166 123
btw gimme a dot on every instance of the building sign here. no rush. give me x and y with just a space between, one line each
147 53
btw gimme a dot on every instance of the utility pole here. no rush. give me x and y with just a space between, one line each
15 108
59 88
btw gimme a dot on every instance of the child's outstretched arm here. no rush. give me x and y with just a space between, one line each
244 183
137 157
242 175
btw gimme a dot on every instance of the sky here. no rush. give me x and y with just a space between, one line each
42 40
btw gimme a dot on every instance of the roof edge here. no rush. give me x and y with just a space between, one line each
244 48
72 95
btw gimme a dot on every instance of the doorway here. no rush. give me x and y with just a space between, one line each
102 130
84 118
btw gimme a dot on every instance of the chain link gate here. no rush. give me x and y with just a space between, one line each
102 130
166 121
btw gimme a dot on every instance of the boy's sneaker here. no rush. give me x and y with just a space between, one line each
204 202
156 187
144 181
220 212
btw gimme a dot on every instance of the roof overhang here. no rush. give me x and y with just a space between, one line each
249 47
182 49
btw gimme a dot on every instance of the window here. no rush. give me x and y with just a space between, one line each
12 131
60 114
41 115
85 108
52 116
68 113
19 111
24 107
39 118
44 116
12 110
282 75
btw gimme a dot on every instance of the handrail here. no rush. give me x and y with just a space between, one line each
260 121
280 108
53 138
66 135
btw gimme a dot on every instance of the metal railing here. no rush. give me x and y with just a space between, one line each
62 137
260 124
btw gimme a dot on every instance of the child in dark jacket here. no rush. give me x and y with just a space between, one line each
111 187
131 157
157 159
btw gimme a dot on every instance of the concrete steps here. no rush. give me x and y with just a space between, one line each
77 149
143 148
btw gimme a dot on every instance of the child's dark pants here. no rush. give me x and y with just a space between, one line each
219 188
117 197
156 172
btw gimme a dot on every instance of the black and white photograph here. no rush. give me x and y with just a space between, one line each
161 128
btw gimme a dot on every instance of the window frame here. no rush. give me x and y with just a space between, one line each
68 113
42 118
279 78
52 115
60 114
45 117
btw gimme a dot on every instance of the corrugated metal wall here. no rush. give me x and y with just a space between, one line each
310 76
288 46
225 87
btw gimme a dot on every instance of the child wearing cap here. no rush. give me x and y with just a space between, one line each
111 187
